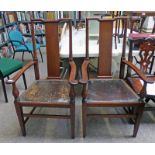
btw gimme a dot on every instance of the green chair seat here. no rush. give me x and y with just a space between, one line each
8 66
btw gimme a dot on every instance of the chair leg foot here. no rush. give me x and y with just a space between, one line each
4 90
137 120
19 112
72 120
84 118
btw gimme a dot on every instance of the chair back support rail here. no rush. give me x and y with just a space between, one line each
51 27
104 58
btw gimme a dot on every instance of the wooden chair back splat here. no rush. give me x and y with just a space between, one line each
53 58
53 55
105 47
146 56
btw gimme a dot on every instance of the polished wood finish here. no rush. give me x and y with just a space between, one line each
143 70
105 46
106 91
36 65
137 37
51 92
53 61
146 55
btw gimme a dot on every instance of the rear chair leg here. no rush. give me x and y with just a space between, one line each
72 119
84 118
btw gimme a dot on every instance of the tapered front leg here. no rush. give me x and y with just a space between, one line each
19 112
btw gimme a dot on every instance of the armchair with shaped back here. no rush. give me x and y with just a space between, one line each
104 91
144 87
52 92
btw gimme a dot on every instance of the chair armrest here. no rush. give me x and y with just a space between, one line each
138 71
84 71
72 73
19 73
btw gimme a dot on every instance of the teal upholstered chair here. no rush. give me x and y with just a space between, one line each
19 45
7 67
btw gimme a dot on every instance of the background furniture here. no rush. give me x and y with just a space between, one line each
145 62
137 37
19 45
7 67
51 92
104 91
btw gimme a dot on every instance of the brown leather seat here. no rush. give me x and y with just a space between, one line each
55 91
110 91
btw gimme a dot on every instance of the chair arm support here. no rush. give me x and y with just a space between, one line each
138 71
72 77
21 71
84 71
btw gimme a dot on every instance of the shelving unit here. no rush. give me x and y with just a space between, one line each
8 20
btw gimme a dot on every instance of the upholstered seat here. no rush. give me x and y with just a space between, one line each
8 66
26 47
19 45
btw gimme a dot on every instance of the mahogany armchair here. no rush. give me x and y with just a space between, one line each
52 92
143 85
105 91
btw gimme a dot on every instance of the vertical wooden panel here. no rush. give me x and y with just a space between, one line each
52 48
105 48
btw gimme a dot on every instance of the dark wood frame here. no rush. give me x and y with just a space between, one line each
53 74
105 58
147 46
